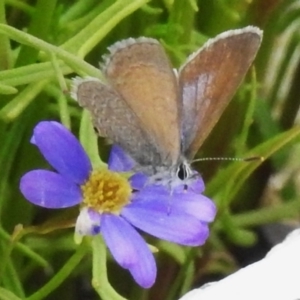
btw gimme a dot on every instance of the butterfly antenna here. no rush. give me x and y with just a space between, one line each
246 159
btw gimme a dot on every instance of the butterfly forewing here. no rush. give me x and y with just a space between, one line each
114 120
210 78
140 72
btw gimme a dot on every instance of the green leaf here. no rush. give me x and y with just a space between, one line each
229 181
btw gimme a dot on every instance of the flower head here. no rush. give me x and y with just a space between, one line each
113 206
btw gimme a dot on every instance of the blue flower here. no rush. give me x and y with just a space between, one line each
114 206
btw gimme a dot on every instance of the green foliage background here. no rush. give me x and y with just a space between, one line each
44 43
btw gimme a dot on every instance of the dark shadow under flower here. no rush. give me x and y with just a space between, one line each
111 205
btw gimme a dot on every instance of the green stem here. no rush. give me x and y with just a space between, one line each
61 275
31 73
68 58
105 21
62 102
89 140
83 42
238 173
267 215
182 14
39 27
28 9
64 110
16 106
7 89
76 11
185 275
100 281
248 120
5 51
59 75
12 279
7 295
25 250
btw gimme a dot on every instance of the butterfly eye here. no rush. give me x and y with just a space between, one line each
180 172
184 171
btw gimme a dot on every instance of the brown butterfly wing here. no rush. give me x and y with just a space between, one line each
115 120
140 72
209 80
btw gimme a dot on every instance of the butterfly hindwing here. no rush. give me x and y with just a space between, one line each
114 120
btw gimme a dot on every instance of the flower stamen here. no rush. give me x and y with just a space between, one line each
106 191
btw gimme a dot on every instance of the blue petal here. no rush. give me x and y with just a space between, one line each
152 193
138 181
181 200
197 183
62 150
196 205
160 219
129 249
49 189
119 161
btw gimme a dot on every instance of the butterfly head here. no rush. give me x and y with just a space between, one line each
180 174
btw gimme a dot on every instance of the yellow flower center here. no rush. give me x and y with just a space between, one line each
106 191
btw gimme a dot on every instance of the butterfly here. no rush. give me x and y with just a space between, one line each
159 116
